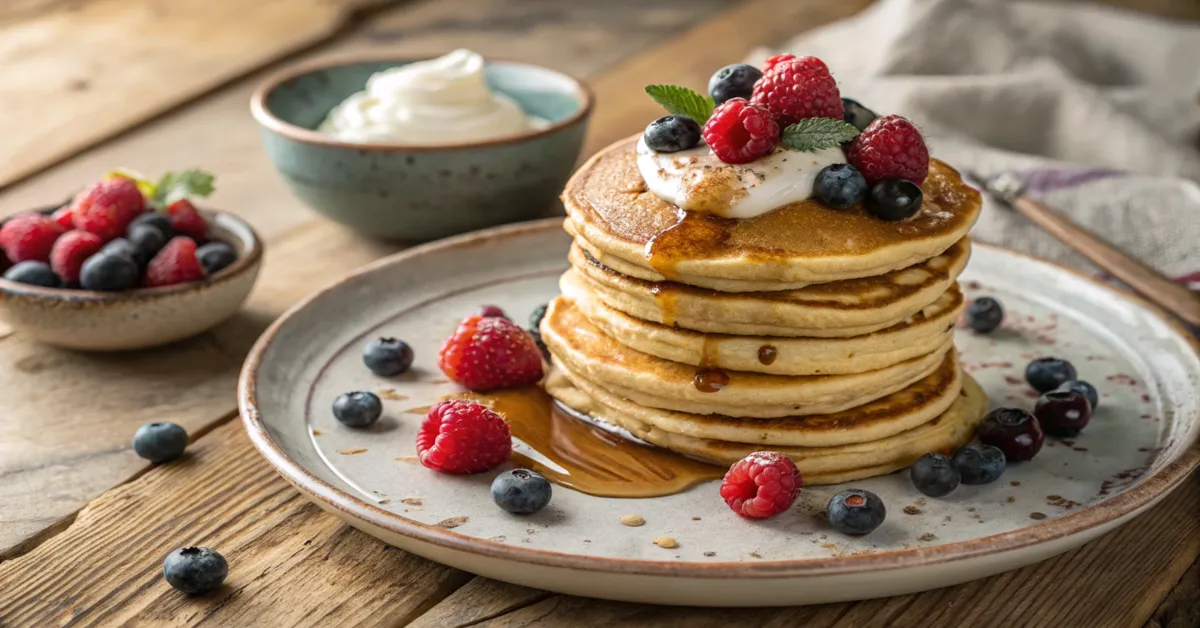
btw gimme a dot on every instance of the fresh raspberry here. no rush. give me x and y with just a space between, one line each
739 132
64 218
175 263
890 147
761 485
107 207
70 251
799 88
29 237
492 311
463 437
771 62
187 221
487 353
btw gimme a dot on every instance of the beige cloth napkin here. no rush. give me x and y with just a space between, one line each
1097 109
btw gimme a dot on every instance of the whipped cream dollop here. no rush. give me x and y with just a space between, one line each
440 101
696 180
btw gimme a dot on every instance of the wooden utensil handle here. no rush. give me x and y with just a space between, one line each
1168 294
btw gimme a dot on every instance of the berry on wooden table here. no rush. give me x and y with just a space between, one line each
106 207
890 147
195 570
671 134
799 88
176 263
29 237
739 132
733 81
761 485
387 356
70 251
521 491
487 353
855 512
460 436
34 274
160 442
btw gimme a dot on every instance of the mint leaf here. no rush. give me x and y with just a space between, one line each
682 101
174 186
812 134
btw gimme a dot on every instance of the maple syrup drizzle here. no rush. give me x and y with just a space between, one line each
693 236
767 355
710 380
586 458
668 302
708 352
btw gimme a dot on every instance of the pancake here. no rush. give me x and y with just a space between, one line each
830 310
921 334
609 206
818 464
659 383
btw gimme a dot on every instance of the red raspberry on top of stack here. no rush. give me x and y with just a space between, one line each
890 147
798 88
739 132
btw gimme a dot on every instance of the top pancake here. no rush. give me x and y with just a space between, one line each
610 207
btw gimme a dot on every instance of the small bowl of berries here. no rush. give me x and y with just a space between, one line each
128 263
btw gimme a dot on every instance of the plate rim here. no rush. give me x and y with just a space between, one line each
1173 473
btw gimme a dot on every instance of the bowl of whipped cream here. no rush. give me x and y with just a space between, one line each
416 150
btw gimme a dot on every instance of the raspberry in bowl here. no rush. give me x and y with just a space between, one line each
126 264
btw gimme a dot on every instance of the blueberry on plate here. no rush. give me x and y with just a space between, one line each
521 491
1063 413
357 409
984 315
979 464
387 357
147 240
215 256
671 134
934 475
733 81
855 511
856 114
195 570
160 442
1083 388
1014 431
840 186
894 199
34 274
109 272
1046 374
157 220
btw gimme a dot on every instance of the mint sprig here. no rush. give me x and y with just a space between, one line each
174 186
811 134
682 101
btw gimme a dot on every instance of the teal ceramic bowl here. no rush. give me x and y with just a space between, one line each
416 193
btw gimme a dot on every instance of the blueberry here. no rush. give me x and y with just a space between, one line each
856 114
1063 413
1046 374
160 442
733 81
979 464
840 186
387 356
195 570
34 274
121 247
158 221
670 134
521 491
934 475
855 511
109 272
984 315
1013 431
215 256
146 240
539 312
894 199
1083 388
357 409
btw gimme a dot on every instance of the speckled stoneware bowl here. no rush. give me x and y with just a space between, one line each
141 318
416 193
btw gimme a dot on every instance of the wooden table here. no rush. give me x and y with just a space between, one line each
87 85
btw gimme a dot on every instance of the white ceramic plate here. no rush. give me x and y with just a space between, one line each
1135 451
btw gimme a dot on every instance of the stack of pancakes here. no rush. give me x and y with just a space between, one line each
824 334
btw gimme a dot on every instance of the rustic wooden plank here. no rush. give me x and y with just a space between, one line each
78 453
479 600
1181 608
78 73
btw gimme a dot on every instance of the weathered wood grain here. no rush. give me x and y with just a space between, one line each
1181 608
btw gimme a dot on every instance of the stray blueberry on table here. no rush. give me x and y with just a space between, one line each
856 114
1083 388
934 475
733 81
521 491
158 220
387 357
979 464
1046 374
1014 431
34 274
840 186
1063 413
215 256
160 442
109 272
671 134
894 199
195 570
357 409
984 315
854 511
